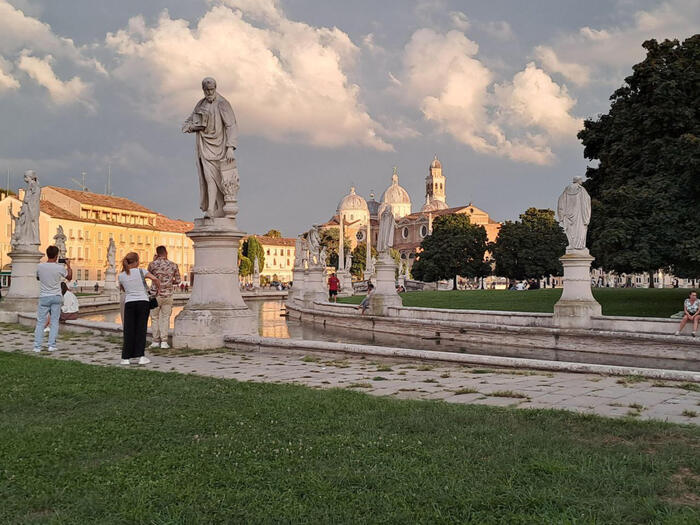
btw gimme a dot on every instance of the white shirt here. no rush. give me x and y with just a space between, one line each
50 275
133 285
70 303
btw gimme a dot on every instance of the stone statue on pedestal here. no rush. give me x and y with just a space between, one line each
214 123
299 251
111 255
322 257
574 214
314 241
348 261
387 224
59 240
26 233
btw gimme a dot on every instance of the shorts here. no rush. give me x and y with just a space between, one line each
331 293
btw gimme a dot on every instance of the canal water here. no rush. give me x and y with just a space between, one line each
272 322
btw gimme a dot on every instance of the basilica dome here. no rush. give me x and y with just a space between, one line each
353 207
436 163
433 205
397 198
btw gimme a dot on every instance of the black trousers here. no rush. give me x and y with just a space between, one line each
135 323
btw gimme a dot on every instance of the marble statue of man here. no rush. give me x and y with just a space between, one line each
574 214
385 237
111 254
59 240
256 266
322 257
214 123
348 260
314 240
27 220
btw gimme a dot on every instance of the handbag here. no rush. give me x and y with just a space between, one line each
152 301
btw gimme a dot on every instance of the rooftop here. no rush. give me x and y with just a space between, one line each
105 201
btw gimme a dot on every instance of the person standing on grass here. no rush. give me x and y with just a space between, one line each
691 312
50 276
132 280
168 274
333 285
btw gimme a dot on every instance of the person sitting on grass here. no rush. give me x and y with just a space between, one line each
691 312
365 302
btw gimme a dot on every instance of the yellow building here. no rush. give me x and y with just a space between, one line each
88 221
279 257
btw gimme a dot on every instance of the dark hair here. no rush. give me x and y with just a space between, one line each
161 251
52 252
370 286
64 287
692 292
130 258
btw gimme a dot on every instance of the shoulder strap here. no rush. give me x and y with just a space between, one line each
143 280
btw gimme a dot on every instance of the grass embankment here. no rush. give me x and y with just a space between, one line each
89 444
642 302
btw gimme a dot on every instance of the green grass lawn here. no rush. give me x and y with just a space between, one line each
91 444
642 302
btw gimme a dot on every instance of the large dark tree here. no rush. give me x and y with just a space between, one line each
530 247
252 249
329 239
359 259
646 187
456 247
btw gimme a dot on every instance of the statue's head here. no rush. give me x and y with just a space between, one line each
578 180
29 175
209 88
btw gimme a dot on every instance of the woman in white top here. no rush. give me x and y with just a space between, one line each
70 306
136 309
691 312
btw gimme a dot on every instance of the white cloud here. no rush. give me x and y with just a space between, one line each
19 31
371 46
607 54
456 91
62 93
7 81
459 20
576 73
499 29
287 80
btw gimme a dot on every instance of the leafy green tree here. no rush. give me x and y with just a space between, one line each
245 266
252 249
645 188
359 257
329 239
456 247
530 247
274 233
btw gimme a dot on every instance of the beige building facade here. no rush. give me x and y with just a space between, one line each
279 257
89 220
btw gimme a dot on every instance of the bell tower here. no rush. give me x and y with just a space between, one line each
435 182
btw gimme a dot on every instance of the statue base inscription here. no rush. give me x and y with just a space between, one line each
385 294
577 304
315 287
215 308
23 295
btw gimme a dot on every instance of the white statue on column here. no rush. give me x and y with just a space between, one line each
299 252
341 243
59 240
111 255
574 214
314 241
214 123
348 261
387 224
26 232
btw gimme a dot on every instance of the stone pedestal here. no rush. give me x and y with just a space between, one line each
111 289
577 304
23 295
215 308
296 292
385 294
345 283
315 287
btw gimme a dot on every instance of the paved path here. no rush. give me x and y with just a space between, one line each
586 393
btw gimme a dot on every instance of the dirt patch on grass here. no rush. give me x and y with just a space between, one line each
684 488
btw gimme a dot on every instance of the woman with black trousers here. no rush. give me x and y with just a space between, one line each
136 309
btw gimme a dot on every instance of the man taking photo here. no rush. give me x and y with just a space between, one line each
168 274
50 276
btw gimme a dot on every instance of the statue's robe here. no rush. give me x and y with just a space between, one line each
574 212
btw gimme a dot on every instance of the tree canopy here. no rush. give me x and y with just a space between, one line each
645 188
455 247
245 266
329 239
359 257
274 233
252 249
530 247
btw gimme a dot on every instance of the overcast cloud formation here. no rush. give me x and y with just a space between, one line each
327 95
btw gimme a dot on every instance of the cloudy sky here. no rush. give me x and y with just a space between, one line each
327 94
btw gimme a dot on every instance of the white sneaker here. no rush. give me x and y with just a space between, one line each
37 350
124 362
47 330
52 348
677 333
144 360
164 345
155 344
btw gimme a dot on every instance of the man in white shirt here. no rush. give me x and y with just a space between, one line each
50 276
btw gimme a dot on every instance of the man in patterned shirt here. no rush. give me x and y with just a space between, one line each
169 276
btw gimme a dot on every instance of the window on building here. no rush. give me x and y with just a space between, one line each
99 236
87 254
80 234
423 230
289 252
80 275
287 262
99 275
87 235
121 237
70 252
268 252
80 252
131 239
87 275
360 236
404 232
139 239
70 233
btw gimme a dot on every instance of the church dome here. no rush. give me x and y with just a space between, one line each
433 205
352 202
395 194
436 163
372 205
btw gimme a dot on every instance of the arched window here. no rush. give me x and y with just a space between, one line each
360 236
423 230
404 232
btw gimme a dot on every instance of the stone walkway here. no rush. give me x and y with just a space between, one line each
586 393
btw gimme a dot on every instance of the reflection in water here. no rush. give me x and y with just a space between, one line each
272 323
